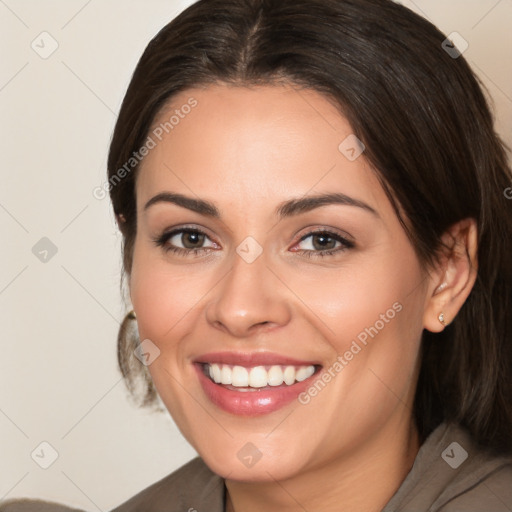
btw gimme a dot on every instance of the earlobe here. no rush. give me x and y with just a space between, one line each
442 319
454 277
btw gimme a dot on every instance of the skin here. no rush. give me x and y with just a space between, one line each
247 150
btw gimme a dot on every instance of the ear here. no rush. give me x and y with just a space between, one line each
120 220
453 278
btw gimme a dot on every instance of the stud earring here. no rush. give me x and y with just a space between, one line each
442 319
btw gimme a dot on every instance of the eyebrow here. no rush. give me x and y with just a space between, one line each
285 209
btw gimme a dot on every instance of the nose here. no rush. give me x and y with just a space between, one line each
248 300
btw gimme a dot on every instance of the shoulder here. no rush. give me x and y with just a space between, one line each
493 493
452 473
28 505
477 479
191 487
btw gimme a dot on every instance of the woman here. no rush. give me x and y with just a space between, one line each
317 242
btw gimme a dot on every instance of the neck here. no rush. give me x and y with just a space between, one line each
364 481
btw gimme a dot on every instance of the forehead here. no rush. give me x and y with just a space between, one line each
234 143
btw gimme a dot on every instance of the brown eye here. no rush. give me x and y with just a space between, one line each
192 239
185 241
323 243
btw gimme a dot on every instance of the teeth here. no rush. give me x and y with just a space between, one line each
226 375
215 370
239 376
303 373
289 375
258 376
275 376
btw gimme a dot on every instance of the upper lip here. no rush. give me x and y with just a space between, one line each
250 359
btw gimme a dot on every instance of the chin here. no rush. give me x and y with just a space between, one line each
241 459
268 470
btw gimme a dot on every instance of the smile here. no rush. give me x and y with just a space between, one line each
253 384
257 376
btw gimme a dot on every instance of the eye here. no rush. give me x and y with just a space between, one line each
192 241
322 243
185 241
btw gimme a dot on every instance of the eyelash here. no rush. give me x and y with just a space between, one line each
161 241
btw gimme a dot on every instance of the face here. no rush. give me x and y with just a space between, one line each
274 283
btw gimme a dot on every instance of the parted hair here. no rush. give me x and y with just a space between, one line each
428 129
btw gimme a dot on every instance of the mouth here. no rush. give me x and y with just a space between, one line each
256 384
240 378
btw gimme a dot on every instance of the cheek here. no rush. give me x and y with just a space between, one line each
371 316
386 323
369 297
160 302
163 299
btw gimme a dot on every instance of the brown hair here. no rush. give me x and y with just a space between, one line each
428 131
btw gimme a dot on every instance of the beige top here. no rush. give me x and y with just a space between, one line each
450 474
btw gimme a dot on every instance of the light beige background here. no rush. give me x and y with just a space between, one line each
59 320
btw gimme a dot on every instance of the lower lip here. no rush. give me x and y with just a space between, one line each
251 403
